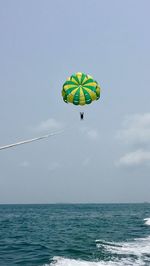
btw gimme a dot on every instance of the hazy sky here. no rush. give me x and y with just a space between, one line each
106 157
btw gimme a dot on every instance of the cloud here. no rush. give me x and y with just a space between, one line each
135 158
50 124
24 164
135 129
92 134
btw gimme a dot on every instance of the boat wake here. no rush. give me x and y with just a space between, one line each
133 253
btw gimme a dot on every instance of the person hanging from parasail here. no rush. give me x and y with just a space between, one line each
82 115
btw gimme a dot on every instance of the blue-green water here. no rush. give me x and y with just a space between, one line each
75 235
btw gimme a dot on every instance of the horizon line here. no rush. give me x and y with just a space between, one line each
75 203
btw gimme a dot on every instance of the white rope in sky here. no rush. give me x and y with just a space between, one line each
29 140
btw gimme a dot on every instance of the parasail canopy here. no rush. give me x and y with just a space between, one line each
80 89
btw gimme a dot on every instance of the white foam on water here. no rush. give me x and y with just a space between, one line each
60 261
138 247
147 221
137 252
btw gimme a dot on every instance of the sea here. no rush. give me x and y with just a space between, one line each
75 235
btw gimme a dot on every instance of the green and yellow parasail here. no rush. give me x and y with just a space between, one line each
80 89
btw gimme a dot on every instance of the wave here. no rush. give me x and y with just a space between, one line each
147 221
139 247
103 243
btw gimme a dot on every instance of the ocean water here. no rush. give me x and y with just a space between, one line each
75 235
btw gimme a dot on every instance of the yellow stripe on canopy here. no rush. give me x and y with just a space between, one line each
79 75
82 97
93 84
69 86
